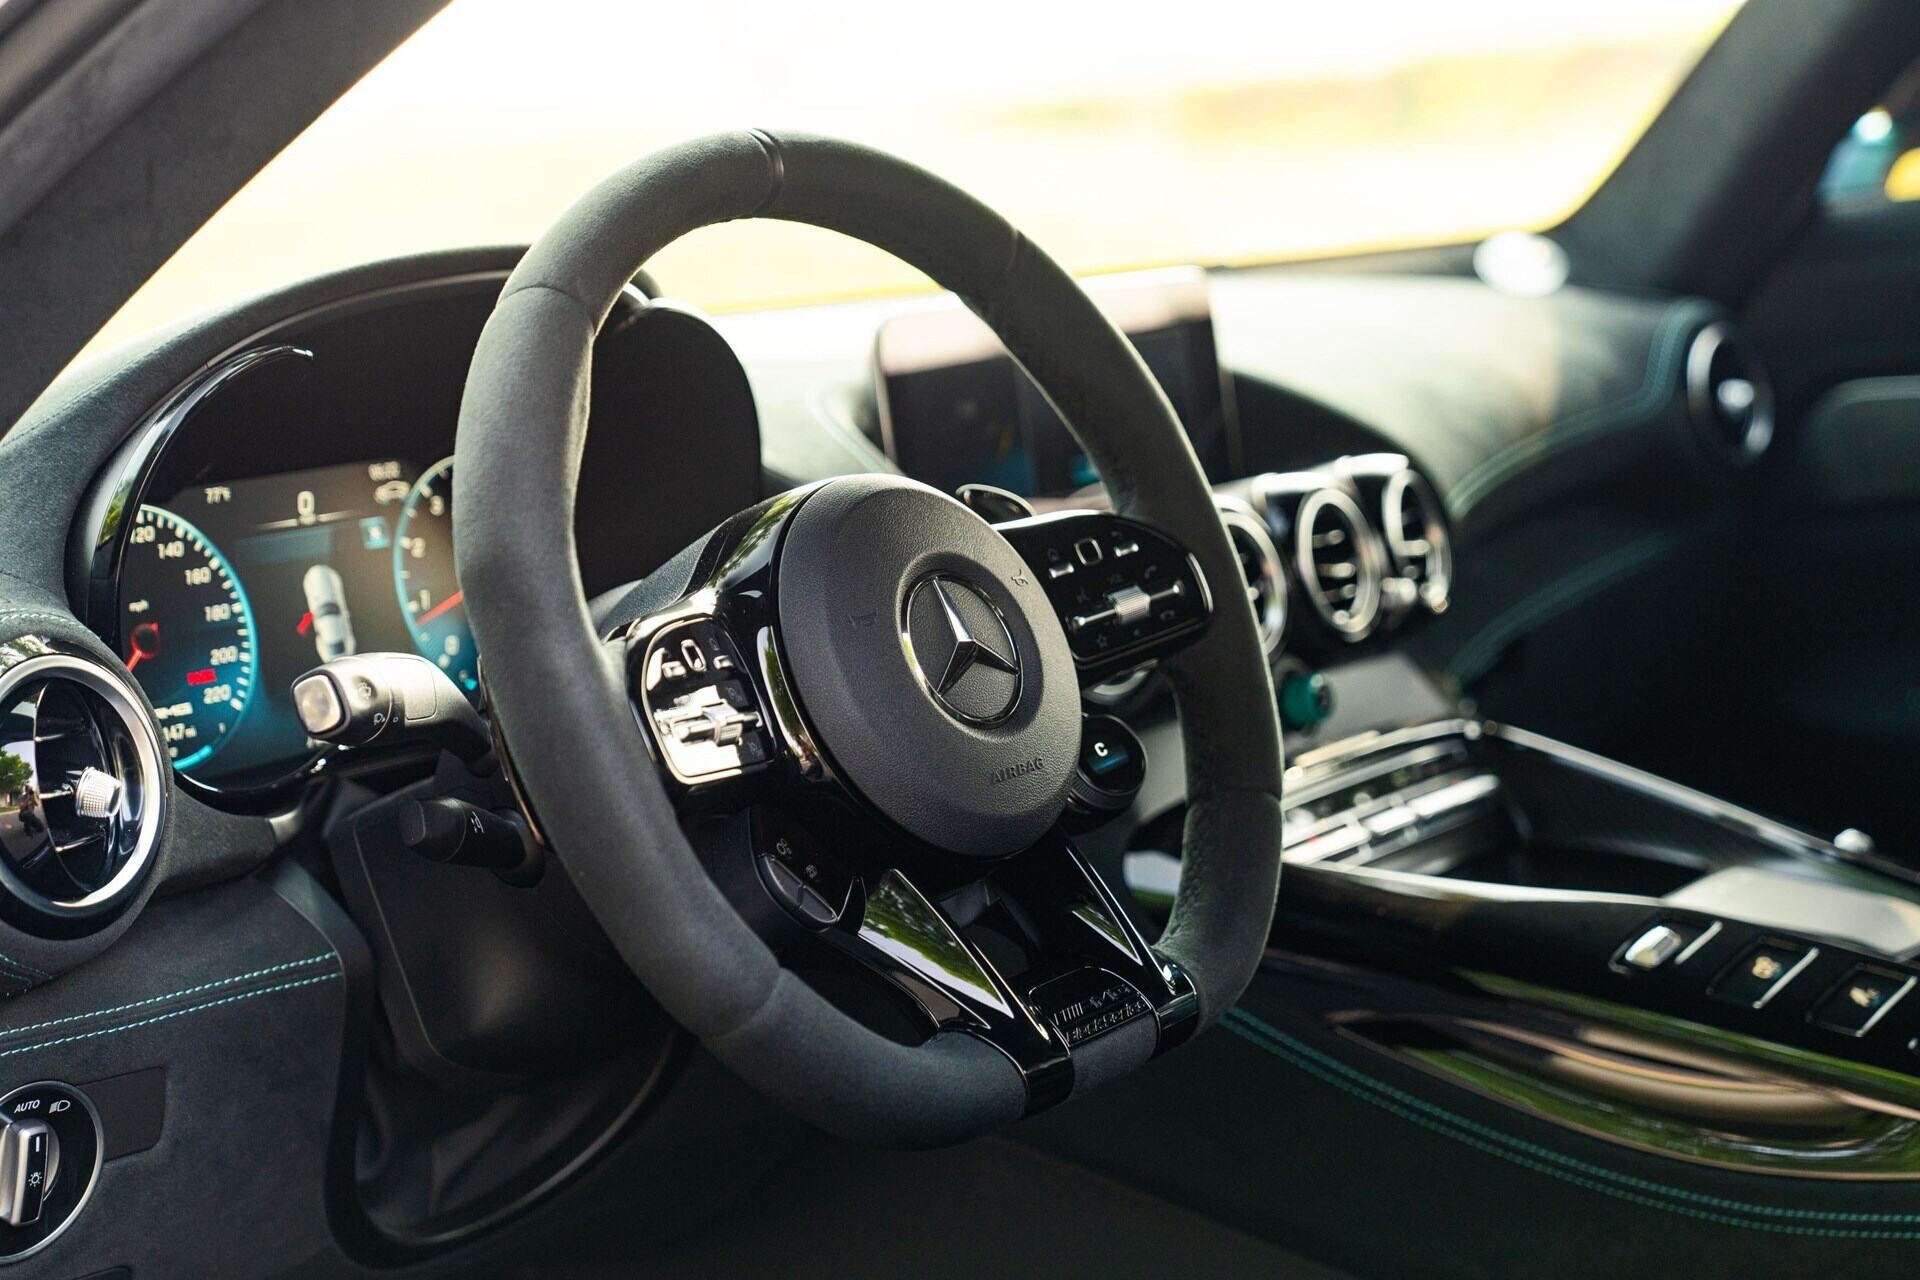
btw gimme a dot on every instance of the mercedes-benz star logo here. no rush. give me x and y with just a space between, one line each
961 647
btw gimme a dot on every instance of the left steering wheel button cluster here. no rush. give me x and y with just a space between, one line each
704 715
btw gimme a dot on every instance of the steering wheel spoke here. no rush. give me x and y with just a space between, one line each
1126 593
1039 958
1094 971
912 944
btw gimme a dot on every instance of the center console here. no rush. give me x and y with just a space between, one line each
1604 949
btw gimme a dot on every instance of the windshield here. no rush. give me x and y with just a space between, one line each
1132 134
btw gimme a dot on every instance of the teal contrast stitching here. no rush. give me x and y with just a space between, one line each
1552 1163
14 969
177 1013
26 970
1653 392
171 995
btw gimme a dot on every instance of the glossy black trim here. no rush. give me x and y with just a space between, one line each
917 906
1567 942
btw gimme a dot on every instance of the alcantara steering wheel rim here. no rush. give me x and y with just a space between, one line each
560 691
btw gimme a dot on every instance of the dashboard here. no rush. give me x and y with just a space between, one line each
273 490
293 503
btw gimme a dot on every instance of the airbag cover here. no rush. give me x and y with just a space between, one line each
979 767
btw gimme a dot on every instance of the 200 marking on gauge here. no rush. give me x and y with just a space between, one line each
186 632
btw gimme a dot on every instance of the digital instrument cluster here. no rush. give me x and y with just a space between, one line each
229 591
291 502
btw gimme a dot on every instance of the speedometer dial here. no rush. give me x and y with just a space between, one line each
423 574
186 632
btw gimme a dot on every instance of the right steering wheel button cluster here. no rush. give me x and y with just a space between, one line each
1125 592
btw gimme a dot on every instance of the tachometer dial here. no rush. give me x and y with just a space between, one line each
423 574
186 632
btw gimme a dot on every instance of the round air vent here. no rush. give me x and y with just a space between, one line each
1418 544
1340 562
81 787
1260 568
1729 394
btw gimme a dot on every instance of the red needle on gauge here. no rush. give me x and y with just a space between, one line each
143 643
439 609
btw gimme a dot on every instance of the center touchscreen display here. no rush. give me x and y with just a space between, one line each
956 409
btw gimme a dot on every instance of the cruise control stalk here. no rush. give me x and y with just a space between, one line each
391 698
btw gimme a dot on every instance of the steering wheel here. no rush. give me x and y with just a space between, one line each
842 728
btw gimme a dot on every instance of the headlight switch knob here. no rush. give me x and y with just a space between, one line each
29 1163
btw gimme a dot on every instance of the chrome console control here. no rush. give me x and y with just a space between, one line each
1653 948
390 697
96 794
1854 840
50 1156
29 1162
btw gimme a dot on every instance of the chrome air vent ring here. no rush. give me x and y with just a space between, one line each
1418 544
1340 562
1729 394
1260 564
82 787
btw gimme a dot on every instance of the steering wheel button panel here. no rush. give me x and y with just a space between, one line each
1111 767
799 872
1136 595
706 723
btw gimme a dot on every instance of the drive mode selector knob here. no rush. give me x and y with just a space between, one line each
1111 768
50 1153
